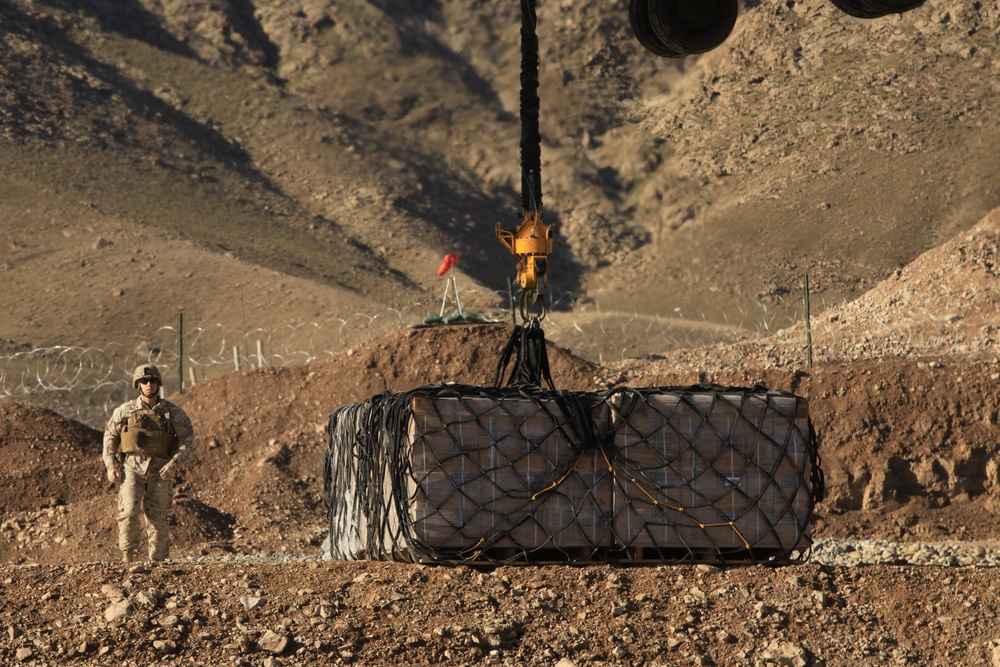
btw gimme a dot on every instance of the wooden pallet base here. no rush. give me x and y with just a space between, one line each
622 556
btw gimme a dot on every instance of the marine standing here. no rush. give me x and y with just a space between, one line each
145 441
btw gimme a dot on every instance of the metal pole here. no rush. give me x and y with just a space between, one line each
444 299
809 337
180 352
458 301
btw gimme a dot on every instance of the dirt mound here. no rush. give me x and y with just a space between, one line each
48 459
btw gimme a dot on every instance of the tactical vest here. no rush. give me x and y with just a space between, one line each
148 432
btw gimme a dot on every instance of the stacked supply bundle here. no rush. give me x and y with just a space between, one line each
457 473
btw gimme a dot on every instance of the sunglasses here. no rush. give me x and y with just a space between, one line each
148 380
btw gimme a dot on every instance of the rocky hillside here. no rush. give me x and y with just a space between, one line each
309 158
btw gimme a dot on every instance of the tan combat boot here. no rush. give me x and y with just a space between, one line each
130 556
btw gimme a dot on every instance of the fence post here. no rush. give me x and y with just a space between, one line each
809 336
236 357
180 352
260 354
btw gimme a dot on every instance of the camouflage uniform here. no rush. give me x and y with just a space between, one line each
143 491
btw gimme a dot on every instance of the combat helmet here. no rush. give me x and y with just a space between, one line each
146 371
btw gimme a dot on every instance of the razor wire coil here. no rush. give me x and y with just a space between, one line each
87 383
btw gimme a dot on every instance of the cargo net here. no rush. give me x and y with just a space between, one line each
456 474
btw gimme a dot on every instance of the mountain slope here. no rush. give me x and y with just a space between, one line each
347 145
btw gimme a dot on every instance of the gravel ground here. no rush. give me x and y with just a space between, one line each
851 553
830 552
281 609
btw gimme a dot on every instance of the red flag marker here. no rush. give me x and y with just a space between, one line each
449 260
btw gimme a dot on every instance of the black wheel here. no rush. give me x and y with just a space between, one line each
858 9
693 26
638 18
893 6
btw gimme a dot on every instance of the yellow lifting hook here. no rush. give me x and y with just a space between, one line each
532 243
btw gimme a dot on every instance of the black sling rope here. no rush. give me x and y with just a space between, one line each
531 140
531 359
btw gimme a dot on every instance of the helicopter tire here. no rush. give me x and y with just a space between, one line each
638 18
859 9
693 26
893 6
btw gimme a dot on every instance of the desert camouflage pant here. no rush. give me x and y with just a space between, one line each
144 498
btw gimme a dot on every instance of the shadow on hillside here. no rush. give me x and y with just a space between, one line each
463 209
412 17
131 19
142 103
128 18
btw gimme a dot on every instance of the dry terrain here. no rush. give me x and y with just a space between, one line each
908 445
264 164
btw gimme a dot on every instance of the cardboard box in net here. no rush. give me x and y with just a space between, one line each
707 470
714 470
490 473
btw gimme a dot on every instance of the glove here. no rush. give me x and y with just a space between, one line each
166 472
115 474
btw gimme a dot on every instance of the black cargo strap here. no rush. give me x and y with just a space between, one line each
531 360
